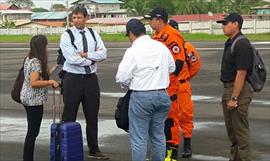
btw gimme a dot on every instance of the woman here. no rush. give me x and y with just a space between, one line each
34 91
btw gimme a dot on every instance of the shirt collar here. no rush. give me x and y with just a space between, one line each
79 30
141 38
230 41
161 32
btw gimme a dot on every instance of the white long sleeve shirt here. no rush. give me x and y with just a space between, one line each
146 65
74 62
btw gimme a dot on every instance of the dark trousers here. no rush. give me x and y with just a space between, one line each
34 117
236 122
83 89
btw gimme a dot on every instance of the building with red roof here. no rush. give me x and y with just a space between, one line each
198 17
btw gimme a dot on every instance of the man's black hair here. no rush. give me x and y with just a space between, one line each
80 10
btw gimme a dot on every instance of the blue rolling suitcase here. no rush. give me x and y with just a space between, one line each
66 139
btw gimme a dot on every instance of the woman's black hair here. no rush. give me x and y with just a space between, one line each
38 49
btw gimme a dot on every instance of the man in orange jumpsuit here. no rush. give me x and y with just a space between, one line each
181 113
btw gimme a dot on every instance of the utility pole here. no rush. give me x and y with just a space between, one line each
67 14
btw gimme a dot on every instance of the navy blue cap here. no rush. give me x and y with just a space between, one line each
232 17
134 26
159 13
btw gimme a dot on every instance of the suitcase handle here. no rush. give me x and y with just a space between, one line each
60 107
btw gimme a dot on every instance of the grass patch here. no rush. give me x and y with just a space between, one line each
120 37
25 38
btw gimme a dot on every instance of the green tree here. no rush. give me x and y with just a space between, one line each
169 5
39 10
8 24
22 3
189 7
243 6
137 7
214 6
59 7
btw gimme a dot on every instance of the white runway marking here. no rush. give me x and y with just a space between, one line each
207 125
16 128
261 43
12 127
208 157
195 98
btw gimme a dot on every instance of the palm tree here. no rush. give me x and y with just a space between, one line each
137 7
188 7
169 5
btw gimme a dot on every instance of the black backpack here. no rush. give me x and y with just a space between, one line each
257 77
60 58
121 112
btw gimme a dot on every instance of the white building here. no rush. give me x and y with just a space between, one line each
102 8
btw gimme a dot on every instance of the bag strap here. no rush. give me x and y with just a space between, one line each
72 39
235 41
58 127
93 35
23 63
60 107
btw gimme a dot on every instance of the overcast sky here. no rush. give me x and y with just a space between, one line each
48 3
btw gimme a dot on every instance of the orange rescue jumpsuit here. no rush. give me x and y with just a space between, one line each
181 113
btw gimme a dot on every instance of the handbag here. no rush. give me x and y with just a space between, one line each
121 112
17 86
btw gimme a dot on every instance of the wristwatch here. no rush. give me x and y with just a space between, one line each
234 98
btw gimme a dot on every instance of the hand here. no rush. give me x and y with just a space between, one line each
98 48
83 55
54 83
231 105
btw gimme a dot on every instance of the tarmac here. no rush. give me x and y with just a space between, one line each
209 142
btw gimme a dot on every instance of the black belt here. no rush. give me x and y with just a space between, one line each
81 75
163 89
184 81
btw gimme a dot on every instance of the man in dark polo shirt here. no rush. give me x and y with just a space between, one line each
238 92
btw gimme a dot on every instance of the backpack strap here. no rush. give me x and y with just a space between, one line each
235 41
72 39
93 35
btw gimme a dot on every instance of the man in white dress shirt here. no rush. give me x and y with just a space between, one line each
145 69
80 81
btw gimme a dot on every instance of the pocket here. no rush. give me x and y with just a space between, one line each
242 108
164 98
246 92
227 94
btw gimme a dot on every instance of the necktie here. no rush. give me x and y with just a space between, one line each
85 49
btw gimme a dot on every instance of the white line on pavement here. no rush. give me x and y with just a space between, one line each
12 127
195 98
16 128
208 158
261 43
